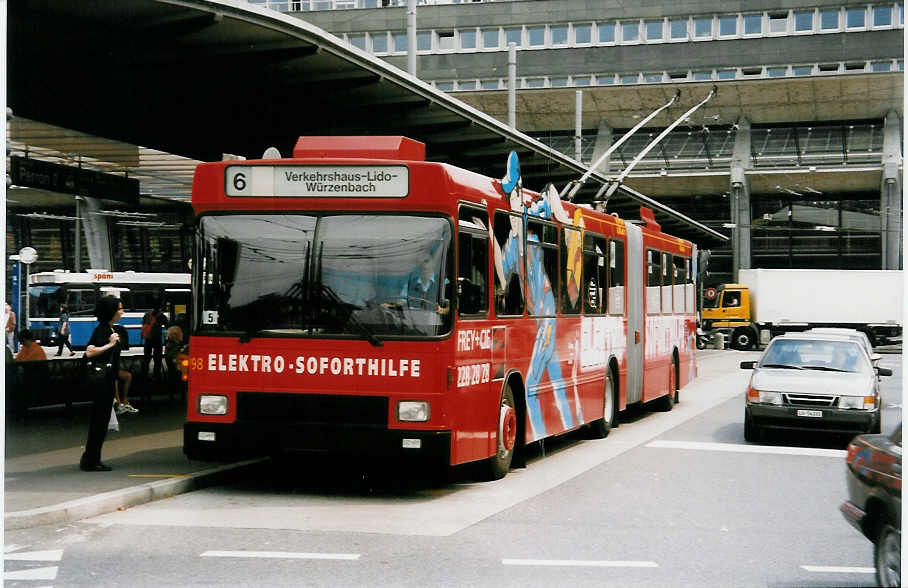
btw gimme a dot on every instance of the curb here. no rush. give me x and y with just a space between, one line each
98 504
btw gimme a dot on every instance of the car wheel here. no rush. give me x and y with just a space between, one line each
887 556
506 436
751 431
600 428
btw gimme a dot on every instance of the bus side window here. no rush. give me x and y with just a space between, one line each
666 283
616 278
689 287
680 281
509 298
571 267
473 262
594 275
653 281
542 267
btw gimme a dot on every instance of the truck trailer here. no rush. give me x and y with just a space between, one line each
768 302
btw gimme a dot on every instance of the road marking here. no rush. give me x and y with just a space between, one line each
580 563
50 555
733 447
838 570
280 555
32 574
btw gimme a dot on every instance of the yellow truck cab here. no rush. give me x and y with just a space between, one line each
731 316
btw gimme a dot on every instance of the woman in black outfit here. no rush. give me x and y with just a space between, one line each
103 350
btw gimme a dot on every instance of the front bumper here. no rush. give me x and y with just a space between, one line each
853 515
833 420
244 439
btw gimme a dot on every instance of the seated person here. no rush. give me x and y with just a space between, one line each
124 379
844 359
174 348
30 350
420 289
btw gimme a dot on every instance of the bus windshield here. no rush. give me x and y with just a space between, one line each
325 275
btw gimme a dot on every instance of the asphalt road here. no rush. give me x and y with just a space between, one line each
668 499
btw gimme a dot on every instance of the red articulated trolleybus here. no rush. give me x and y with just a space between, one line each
359 300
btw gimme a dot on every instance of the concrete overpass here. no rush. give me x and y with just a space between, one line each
149 87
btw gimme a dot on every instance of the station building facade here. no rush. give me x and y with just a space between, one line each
798 157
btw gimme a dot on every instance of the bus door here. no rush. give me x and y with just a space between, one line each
635 318
176 305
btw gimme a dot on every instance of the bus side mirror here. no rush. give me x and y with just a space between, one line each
748 365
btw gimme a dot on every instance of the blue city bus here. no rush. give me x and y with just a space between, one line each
138 291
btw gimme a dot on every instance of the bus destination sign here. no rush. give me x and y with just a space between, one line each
317 181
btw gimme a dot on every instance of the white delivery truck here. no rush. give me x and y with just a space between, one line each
767 302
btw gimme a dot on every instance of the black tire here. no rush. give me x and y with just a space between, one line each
677 385
667 402
599 429
743 339
506 435
887 556
752 432
877 427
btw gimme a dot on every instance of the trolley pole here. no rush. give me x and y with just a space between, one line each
578 125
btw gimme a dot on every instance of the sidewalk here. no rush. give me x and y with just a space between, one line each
43 482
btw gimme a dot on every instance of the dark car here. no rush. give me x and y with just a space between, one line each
874 505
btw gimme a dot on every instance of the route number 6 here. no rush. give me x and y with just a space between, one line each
237 180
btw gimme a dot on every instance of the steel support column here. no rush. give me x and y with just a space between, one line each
604 139
891 195
739 199
97 236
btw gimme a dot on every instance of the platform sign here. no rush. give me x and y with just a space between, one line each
317 181
66 179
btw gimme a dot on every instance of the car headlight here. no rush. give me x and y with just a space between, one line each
211 404
858 402
412 411
763 397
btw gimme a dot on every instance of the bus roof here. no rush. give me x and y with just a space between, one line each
363 174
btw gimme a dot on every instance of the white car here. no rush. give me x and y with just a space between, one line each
813 381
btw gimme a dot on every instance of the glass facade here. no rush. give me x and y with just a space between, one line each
833 232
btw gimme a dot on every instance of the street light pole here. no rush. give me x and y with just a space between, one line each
27 256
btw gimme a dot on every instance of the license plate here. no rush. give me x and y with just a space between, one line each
811 413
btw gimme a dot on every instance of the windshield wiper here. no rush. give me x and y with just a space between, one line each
823 368
783 366
330 295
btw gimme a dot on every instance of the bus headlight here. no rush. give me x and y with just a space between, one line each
210 404
412 411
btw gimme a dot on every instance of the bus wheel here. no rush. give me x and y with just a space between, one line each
506 436
600 428
666 403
